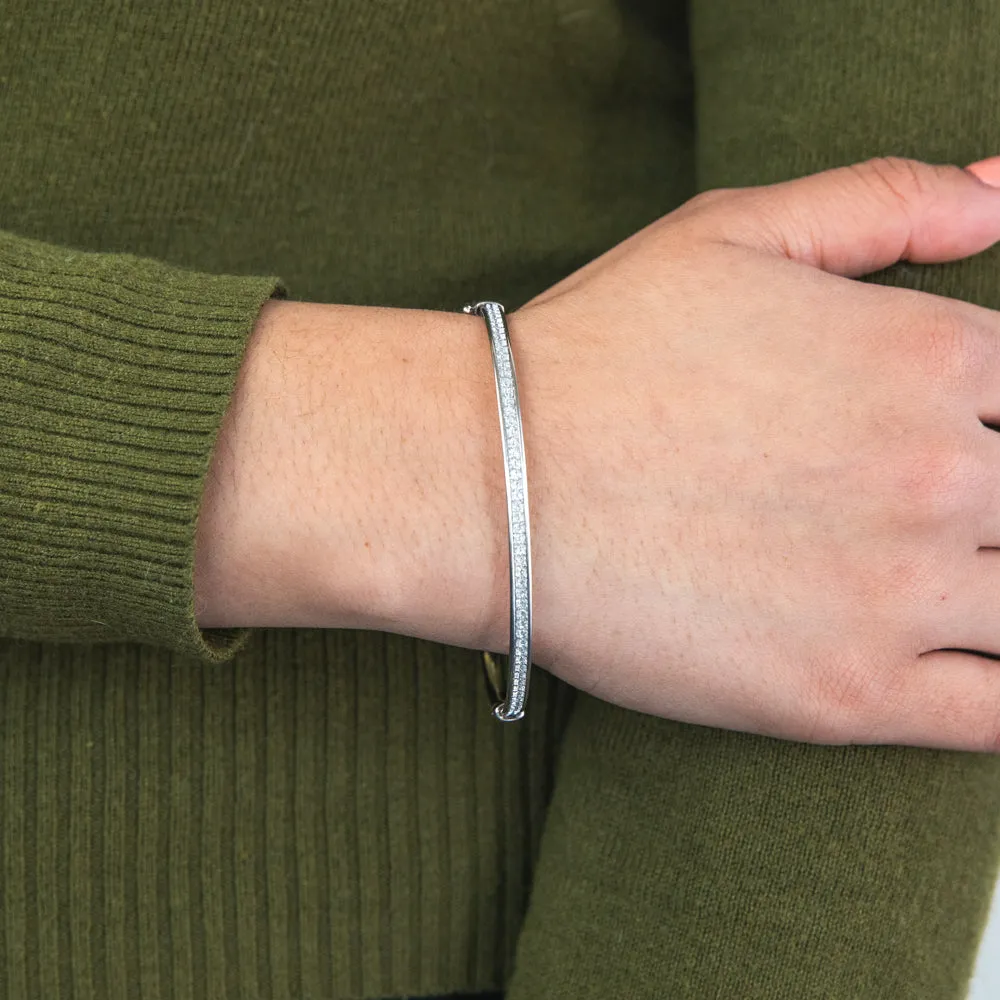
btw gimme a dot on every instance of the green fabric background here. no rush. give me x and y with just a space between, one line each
191 816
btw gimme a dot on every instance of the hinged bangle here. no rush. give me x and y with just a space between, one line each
509 700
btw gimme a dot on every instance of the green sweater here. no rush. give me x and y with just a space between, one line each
295 813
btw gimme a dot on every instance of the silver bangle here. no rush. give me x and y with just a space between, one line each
509 699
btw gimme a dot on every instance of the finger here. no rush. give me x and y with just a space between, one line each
947 700
987 528
966 614
857 219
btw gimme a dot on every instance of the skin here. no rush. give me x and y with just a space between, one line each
763 496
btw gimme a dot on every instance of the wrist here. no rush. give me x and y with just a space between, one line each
357 480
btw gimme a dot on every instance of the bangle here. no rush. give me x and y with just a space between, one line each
508 699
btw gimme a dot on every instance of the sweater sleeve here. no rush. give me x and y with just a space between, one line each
115 373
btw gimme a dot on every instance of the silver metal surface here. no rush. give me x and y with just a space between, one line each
508 703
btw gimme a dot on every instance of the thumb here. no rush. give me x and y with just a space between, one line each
860 218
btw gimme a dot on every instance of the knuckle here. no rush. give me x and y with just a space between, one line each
906 180
940 480
900 177
710 198
851 695
705 204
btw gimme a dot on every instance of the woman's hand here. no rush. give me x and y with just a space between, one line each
761 494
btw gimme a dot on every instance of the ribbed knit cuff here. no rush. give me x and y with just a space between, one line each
115 373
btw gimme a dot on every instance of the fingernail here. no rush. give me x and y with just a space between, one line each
988 171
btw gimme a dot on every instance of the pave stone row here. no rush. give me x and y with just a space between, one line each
515 466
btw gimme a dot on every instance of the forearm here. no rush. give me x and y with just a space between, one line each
357 479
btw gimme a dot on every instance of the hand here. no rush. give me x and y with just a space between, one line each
762 495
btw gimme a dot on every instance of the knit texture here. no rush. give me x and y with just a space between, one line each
310 814
295 814
169 830
114 374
